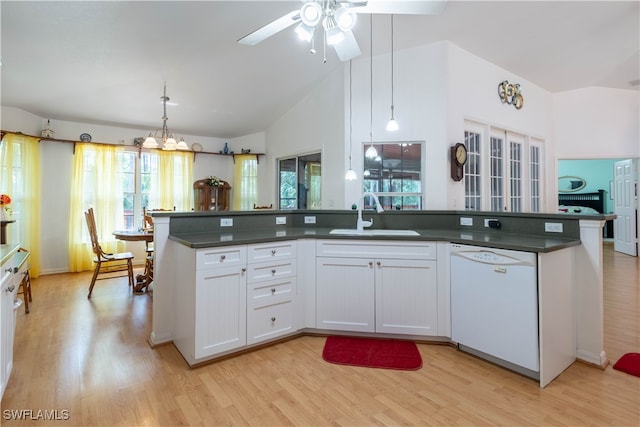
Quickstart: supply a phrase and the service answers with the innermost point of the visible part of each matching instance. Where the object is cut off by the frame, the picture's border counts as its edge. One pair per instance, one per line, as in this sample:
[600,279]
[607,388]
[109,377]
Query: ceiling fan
[336,18]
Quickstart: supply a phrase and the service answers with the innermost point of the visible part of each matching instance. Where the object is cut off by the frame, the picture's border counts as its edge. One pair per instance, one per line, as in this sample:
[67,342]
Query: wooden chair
[25,287]
[106,262]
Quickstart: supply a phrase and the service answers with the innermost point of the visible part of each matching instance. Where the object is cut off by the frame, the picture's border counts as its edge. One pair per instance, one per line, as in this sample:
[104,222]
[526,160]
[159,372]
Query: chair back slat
[93,233]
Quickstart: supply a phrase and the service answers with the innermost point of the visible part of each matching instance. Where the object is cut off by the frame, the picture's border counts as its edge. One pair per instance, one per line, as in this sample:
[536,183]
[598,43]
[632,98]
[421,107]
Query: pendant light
[351,174]
[392,125]
[371,152]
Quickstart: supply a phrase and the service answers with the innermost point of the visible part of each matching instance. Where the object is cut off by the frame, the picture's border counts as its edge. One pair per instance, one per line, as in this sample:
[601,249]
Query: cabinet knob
[222,257]
[10,289]
[370,263]
[273,271]
[273,319]
[273,290]
[273,251]
[243,269]
[379,263]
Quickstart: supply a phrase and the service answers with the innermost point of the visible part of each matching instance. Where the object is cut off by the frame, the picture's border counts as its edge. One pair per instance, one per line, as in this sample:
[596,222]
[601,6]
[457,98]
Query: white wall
[597,122]
[57,161]
[473,95]
[314,124]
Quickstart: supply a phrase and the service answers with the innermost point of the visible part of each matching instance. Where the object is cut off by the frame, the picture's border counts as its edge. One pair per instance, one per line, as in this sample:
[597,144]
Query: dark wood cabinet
[208,197]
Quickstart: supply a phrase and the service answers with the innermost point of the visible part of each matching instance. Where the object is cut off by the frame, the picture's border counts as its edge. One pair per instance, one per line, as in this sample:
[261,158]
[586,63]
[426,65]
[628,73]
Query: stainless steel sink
[381,232]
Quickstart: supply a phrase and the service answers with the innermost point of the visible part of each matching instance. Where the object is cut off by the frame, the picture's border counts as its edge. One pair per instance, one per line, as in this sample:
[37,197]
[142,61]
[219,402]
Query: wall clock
[458,155]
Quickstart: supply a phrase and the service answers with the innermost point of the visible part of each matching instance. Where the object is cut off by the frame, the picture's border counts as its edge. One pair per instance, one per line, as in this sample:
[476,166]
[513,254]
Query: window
[513,180]
[300,182]
[536,176]
[515,176]
[496,157]
[472,182]
[394,175]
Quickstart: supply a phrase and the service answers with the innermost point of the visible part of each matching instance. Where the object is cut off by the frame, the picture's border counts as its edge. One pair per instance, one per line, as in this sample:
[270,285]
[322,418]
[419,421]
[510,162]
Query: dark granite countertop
[491,239]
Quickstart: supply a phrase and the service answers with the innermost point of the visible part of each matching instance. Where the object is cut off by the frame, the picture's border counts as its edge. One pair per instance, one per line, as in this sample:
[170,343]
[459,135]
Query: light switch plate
[281,220]
[226,222]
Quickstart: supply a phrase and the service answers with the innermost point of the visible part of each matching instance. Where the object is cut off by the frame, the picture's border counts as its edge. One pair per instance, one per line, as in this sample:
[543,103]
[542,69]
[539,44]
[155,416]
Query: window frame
[504,178]
[392,196]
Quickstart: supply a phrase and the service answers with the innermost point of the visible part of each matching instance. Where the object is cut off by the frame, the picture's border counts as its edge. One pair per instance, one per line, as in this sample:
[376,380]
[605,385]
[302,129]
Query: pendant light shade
[392,125]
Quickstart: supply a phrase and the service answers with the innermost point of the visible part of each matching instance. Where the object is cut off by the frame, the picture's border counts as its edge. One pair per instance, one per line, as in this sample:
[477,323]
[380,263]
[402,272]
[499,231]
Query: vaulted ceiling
[105,62]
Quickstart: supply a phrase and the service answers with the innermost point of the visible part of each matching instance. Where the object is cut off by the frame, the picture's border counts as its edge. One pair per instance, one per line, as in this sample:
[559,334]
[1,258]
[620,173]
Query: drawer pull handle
[273,251]
[273,290]
[273,271]
[273,319]
[222,257]
[10,288]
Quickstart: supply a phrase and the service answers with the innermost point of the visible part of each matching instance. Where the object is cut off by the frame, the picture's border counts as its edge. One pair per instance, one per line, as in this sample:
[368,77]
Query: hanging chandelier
[166,137]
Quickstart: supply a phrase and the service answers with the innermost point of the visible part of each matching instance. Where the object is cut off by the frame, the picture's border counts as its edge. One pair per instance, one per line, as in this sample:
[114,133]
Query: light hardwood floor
[91,358]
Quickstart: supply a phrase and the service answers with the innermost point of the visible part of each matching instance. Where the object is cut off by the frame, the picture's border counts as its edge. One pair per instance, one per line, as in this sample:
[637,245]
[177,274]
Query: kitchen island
[192,248]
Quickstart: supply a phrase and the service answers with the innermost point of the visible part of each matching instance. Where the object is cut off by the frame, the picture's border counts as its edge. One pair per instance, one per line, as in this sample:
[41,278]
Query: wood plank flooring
[87,363]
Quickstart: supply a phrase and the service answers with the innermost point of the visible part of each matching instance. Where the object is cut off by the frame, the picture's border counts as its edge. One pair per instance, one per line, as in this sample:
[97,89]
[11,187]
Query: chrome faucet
[360,225]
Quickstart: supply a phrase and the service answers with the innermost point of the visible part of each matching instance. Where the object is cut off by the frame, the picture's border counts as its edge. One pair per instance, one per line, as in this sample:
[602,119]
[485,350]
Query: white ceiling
[106,62]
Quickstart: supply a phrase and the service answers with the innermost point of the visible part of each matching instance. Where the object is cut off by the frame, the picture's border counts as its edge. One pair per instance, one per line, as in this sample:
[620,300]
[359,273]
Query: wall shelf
[74,142]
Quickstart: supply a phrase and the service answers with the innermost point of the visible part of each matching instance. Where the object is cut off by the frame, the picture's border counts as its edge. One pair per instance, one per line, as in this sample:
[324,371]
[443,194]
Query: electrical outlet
[553,227]
[486,221]
[281,220]
[226,222]
[309,219]
[466,221]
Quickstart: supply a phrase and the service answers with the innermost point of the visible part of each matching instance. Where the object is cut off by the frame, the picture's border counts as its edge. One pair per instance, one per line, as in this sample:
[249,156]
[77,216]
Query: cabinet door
[345,294]
[406,296]
[221,310]
[7,326]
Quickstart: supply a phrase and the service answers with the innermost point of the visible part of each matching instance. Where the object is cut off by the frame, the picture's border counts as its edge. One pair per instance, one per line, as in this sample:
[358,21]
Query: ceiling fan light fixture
[311,13]
[334,36]
[346,19]
[305,32]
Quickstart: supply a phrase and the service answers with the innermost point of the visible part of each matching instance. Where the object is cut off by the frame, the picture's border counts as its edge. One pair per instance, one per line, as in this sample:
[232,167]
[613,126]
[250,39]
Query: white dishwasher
[494,306]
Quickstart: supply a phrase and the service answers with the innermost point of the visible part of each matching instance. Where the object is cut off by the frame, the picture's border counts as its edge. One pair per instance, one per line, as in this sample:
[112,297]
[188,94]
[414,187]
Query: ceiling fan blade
[348,48]
[403,7]
[270,29]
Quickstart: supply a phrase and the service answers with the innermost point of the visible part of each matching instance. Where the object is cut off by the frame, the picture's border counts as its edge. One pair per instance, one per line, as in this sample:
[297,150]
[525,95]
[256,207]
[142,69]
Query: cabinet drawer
[218,257]
[268,251]
[269,321]
[268,292]
[376,249]
[271,270]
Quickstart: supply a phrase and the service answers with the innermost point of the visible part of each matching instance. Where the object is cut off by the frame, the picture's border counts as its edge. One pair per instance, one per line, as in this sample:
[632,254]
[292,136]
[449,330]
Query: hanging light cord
[350,114]
[392,65]
[371,78]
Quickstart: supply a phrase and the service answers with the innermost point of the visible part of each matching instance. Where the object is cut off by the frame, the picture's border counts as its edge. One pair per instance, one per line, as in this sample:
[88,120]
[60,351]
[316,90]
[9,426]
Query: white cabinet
[377,286]
[11,273]
[210,301]
[406,296]
[345,294]
[271,290]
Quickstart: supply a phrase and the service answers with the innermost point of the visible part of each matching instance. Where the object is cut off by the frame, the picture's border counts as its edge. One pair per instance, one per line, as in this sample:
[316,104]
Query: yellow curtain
[20,179]
[245,182]
[314,183]
[95,183]
[175,176]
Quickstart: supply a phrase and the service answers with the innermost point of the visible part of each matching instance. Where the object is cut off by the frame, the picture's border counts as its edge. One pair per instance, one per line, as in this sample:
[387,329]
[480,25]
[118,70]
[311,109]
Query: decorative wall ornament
[510,94]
